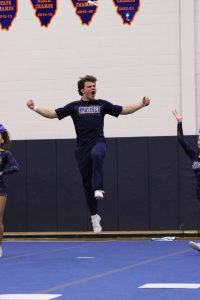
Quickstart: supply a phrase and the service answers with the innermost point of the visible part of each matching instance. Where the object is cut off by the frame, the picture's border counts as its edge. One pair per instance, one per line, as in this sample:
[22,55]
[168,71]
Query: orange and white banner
[8,12]
[127,9]
[45,10]
[85,9]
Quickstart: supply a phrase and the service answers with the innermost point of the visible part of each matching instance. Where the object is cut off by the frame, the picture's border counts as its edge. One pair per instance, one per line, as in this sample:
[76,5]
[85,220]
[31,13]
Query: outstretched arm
[179,119]
[45,112]
[187,148]
[129,109]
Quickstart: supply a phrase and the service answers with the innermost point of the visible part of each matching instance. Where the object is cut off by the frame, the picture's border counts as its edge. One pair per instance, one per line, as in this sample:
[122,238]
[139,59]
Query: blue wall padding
[149,185]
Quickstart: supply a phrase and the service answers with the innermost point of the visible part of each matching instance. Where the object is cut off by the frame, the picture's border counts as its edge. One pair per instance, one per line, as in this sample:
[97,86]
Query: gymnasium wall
[197,55]
[156,55]
[148,179]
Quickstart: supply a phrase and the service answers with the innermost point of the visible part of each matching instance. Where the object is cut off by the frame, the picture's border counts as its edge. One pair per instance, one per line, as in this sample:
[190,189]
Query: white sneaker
[96,219]
[98,194]
[1,252]
[195,246]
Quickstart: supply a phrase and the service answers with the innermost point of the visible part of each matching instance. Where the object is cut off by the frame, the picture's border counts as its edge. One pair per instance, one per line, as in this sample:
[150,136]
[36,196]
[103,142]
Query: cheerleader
[8,165]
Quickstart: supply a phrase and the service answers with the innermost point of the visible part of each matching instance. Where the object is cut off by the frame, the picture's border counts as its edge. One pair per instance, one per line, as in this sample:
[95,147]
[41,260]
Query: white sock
[94,216]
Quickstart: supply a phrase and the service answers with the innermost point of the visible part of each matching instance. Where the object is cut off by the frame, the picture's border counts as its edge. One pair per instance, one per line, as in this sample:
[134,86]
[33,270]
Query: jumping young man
[88,116]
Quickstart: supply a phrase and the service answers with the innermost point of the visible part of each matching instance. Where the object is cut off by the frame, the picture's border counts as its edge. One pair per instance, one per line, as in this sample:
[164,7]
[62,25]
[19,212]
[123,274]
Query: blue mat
[84,270]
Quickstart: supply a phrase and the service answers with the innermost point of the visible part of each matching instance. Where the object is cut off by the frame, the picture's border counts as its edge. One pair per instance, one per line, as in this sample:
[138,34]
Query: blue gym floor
[94,270]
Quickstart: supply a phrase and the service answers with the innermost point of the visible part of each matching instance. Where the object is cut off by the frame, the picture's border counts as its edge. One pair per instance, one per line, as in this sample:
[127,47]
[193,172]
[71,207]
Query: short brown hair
[82,81]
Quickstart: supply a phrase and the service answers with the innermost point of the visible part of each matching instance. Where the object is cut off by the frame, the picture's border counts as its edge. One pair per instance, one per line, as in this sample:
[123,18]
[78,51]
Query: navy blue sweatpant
[198,187]
[90,160]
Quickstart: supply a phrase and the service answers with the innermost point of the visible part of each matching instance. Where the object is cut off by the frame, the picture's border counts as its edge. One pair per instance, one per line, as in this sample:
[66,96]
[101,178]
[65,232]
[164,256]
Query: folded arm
[12,165]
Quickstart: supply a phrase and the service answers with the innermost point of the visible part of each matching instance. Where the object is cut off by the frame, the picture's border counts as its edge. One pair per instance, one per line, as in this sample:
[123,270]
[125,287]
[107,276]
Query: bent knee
[97,155]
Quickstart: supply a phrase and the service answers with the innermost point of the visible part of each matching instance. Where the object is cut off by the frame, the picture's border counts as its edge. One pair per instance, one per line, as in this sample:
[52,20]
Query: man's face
[89,90]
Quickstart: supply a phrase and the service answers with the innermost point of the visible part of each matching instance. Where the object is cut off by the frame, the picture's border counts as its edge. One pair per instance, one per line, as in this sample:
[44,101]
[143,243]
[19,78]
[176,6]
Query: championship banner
[127,9]
[85,9]
[45,10]
[8,12]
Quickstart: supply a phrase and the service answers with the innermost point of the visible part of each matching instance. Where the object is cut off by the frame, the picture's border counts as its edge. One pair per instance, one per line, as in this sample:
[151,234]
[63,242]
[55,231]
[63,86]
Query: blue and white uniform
[193,155]
[8,165]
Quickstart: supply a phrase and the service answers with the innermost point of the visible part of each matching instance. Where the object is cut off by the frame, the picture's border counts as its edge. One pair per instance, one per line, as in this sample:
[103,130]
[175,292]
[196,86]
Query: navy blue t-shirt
[88,118]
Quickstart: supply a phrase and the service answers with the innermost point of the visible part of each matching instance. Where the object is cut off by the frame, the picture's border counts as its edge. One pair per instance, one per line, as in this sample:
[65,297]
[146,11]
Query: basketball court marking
[170,286]
[85,257]
[43,252]
[108,273]
[29,296]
